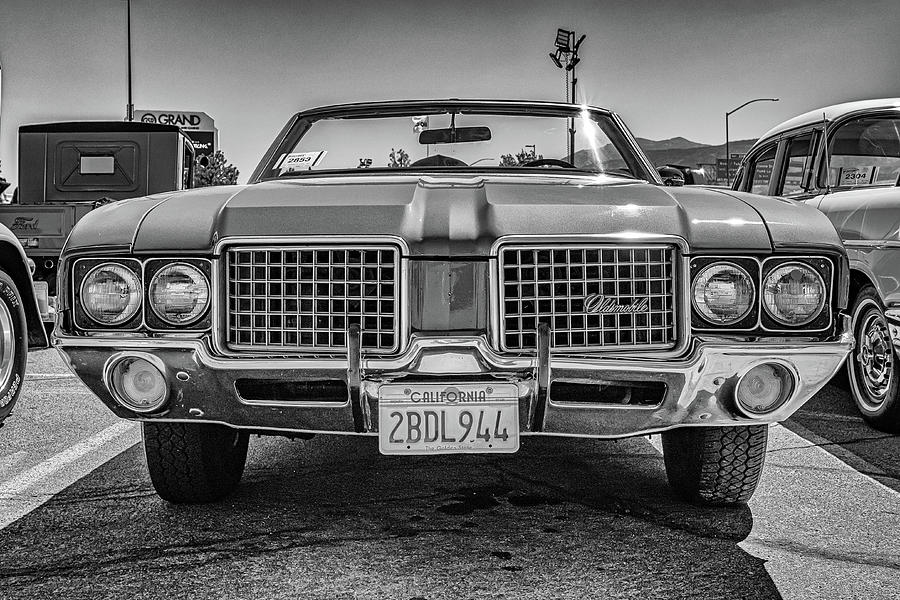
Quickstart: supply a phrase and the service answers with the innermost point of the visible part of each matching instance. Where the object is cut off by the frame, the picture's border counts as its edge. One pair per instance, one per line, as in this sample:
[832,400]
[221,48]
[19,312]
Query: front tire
[715,465]
[874,381]
[13,345]
[193,463]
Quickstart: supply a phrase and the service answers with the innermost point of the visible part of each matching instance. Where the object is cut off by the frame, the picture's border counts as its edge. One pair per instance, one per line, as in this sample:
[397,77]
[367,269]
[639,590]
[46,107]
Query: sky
[669,68]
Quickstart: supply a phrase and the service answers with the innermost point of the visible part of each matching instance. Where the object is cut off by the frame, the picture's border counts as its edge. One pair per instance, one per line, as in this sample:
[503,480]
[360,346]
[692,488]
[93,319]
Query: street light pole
[727,148]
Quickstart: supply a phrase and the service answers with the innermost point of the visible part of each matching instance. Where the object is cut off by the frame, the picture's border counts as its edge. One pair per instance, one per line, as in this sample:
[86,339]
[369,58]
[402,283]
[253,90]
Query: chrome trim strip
[325,240]
[871,244]
[625,237]
[419,344]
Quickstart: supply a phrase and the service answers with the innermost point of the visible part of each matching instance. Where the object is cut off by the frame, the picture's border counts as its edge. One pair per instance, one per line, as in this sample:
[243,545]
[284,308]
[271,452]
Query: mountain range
[682,151]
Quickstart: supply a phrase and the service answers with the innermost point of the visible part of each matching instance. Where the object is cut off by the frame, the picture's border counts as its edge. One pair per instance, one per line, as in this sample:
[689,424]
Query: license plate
[446,419]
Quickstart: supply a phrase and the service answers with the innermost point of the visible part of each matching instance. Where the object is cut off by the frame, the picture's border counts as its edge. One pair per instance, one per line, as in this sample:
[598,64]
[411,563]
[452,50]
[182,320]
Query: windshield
[456,140]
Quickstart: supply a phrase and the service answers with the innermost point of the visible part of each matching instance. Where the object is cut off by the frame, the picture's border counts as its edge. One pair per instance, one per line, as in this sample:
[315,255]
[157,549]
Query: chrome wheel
[875,359]
[7,346]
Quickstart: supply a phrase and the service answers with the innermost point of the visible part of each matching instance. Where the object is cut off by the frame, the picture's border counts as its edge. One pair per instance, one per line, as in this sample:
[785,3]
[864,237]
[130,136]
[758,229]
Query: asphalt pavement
[332,518]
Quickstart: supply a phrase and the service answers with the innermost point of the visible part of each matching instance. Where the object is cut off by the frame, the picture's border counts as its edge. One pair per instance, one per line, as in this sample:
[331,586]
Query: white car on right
[845,160]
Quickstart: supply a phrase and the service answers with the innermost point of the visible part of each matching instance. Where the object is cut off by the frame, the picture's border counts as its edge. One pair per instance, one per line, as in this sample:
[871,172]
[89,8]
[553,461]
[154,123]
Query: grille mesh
[305,298]
[591,296]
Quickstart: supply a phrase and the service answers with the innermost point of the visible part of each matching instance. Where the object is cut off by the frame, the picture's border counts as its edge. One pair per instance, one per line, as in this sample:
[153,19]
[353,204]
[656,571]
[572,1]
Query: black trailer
[68,169]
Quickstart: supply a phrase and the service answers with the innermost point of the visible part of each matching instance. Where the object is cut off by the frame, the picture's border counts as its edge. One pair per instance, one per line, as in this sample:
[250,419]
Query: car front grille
[304,298]
[593,297]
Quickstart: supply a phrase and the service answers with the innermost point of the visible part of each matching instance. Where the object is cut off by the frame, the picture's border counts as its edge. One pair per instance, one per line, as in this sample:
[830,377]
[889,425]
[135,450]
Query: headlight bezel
[82,269]
[154,321]
[824,268]
[726,263]
[145,320]
[758,320]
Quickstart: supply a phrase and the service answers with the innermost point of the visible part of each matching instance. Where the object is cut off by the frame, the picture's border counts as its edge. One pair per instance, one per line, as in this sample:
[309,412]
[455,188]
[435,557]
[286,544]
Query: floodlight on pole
[727,147]
[564,39]
[566,57]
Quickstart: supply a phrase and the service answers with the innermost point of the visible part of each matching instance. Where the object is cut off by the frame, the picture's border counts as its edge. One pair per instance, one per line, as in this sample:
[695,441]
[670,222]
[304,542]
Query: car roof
[831,113]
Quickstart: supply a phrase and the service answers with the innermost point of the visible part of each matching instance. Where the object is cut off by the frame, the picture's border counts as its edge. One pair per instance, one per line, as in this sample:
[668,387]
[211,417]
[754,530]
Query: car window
[761,170]
[798,163]
[865,152]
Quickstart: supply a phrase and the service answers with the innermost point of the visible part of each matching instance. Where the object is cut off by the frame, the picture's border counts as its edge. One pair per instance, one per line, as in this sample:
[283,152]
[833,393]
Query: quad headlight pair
[793,293]
[111,294]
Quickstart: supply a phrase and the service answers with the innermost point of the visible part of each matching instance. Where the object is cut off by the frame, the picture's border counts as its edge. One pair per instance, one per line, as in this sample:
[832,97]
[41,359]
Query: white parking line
[35,486]
[824,529]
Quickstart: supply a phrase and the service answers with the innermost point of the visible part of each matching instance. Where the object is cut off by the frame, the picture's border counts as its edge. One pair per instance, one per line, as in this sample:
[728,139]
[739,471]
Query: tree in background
[215,171]
[398,159]
[521,157]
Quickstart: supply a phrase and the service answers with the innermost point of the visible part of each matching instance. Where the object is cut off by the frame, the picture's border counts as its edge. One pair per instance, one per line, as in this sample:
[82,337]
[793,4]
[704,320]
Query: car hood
[452,216]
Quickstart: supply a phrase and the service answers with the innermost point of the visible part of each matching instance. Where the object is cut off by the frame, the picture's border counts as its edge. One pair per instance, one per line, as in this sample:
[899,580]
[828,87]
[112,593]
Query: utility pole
[129,108]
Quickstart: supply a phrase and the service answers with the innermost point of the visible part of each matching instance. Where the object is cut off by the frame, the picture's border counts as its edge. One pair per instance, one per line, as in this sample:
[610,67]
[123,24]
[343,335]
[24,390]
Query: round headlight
[111,294]
[723,293]
[179,294]
[794,294]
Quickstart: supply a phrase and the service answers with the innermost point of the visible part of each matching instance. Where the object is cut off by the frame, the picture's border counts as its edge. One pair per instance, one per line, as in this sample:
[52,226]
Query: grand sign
[198,126]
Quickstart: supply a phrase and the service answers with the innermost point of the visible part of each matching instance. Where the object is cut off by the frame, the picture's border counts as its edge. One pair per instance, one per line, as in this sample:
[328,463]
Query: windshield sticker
[300,161]
[854,176]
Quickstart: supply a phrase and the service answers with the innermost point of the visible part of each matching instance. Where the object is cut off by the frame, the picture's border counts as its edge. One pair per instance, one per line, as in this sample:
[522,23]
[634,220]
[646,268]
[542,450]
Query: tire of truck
[194,463]
[872,366]
[13,345]
[715,466]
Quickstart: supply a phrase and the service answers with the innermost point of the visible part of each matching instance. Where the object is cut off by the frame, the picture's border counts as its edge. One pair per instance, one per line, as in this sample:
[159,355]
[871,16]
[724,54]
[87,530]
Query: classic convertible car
[21,328]
[453,276]
[860,144]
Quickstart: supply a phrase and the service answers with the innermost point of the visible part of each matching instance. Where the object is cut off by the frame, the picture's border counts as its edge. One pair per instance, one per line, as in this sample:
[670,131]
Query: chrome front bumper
[699,387]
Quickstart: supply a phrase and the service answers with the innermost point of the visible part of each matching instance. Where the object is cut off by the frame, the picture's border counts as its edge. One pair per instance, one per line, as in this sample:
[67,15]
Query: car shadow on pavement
[831,421]
[331,518]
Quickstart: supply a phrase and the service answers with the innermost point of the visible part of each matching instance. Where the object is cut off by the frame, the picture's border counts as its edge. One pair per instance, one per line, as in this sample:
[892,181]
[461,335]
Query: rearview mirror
[455,135]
